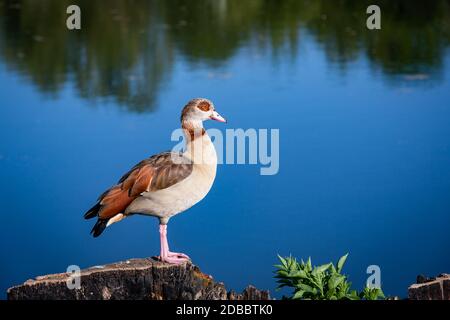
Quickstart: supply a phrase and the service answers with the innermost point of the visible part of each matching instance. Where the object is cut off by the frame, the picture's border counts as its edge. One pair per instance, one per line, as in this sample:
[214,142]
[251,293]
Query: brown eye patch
[204,106]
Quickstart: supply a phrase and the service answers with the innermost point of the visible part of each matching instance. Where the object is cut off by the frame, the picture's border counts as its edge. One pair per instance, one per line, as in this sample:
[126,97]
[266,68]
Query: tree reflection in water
[126,50]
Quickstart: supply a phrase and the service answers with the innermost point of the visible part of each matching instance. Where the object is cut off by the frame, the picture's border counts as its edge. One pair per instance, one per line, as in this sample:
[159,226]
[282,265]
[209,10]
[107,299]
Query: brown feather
[142,181]
[115,201]
[129,181]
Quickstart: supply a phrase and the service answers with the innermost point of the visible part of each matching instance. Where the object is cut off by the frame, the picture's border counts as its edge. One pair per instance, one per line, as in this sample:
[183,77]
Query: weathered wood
[141,279]
[430,289]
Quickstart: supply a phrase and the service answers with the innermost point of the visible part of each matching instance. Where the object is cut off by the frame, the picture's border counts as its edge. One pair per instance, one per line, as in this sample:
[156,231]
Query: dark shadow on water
[126,49]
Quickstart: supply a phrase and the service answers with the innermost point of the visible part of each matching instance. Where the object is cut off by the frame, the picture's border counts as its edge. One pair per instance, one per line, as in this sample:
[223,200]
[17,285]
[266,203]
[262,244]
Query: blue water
[364,169]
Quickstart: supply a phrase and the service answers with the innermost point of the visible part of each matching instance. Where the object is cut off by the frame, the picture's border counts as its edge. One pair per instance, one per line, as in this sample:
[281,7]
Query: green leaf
[353,295]
[341,262]
[305,287]
[283,261]
[300,274]
[309,264]
[335,281]
[333,269]
[298,295]
[282,273]
[278,266]
[323,268]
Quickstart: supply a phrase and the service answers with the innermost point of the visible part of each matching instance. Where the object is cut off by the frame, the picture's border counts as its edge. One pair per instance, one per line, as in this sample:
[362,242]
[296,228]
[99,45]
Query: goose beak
[217,117]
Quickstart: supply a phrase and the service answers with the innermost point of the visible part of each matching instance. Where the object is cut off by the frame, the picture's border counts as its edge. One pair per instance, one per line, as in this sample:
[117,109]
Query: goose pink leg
[166,255]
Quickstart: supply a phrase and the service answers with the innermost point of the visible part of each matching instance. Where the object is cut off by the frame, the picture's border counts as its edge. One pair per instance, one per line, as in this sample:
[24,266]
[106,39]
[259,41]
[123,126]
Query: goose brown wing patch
[115,201]
[158,172]
[139,182]
[155,173]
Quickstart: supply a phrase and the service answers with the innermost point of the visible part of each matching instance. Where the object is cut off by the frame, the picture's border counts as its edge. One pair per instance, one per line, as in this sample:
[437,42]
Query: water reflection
[126,50]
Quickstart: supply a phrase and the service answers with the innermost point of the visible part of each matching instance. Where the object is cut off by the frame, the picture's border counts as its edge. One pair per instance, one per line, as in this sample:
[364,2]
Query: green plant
[325,282]
[372,294]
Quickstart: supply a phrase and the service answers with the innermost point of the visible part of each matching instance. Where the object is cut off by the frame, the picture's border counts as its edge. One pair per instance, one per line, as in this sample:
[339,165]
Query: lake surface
[364,120]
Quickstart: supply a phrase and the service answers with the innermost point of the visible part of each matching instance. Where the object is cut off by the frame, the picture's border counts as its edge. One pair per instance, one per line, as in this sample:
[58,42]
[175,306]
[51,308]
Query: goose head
[198,110]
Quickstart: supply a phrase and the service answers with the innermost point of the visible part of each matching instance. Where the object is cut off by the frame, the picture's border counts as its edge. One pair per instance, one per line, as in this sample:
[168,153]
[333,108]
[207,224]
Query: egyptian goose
[167,183]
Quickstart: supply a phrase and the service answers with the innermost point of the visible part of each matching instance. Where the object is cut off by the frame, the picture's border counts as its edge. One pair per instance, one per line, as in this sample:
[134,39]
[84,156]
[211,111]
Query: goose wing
[155,173]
